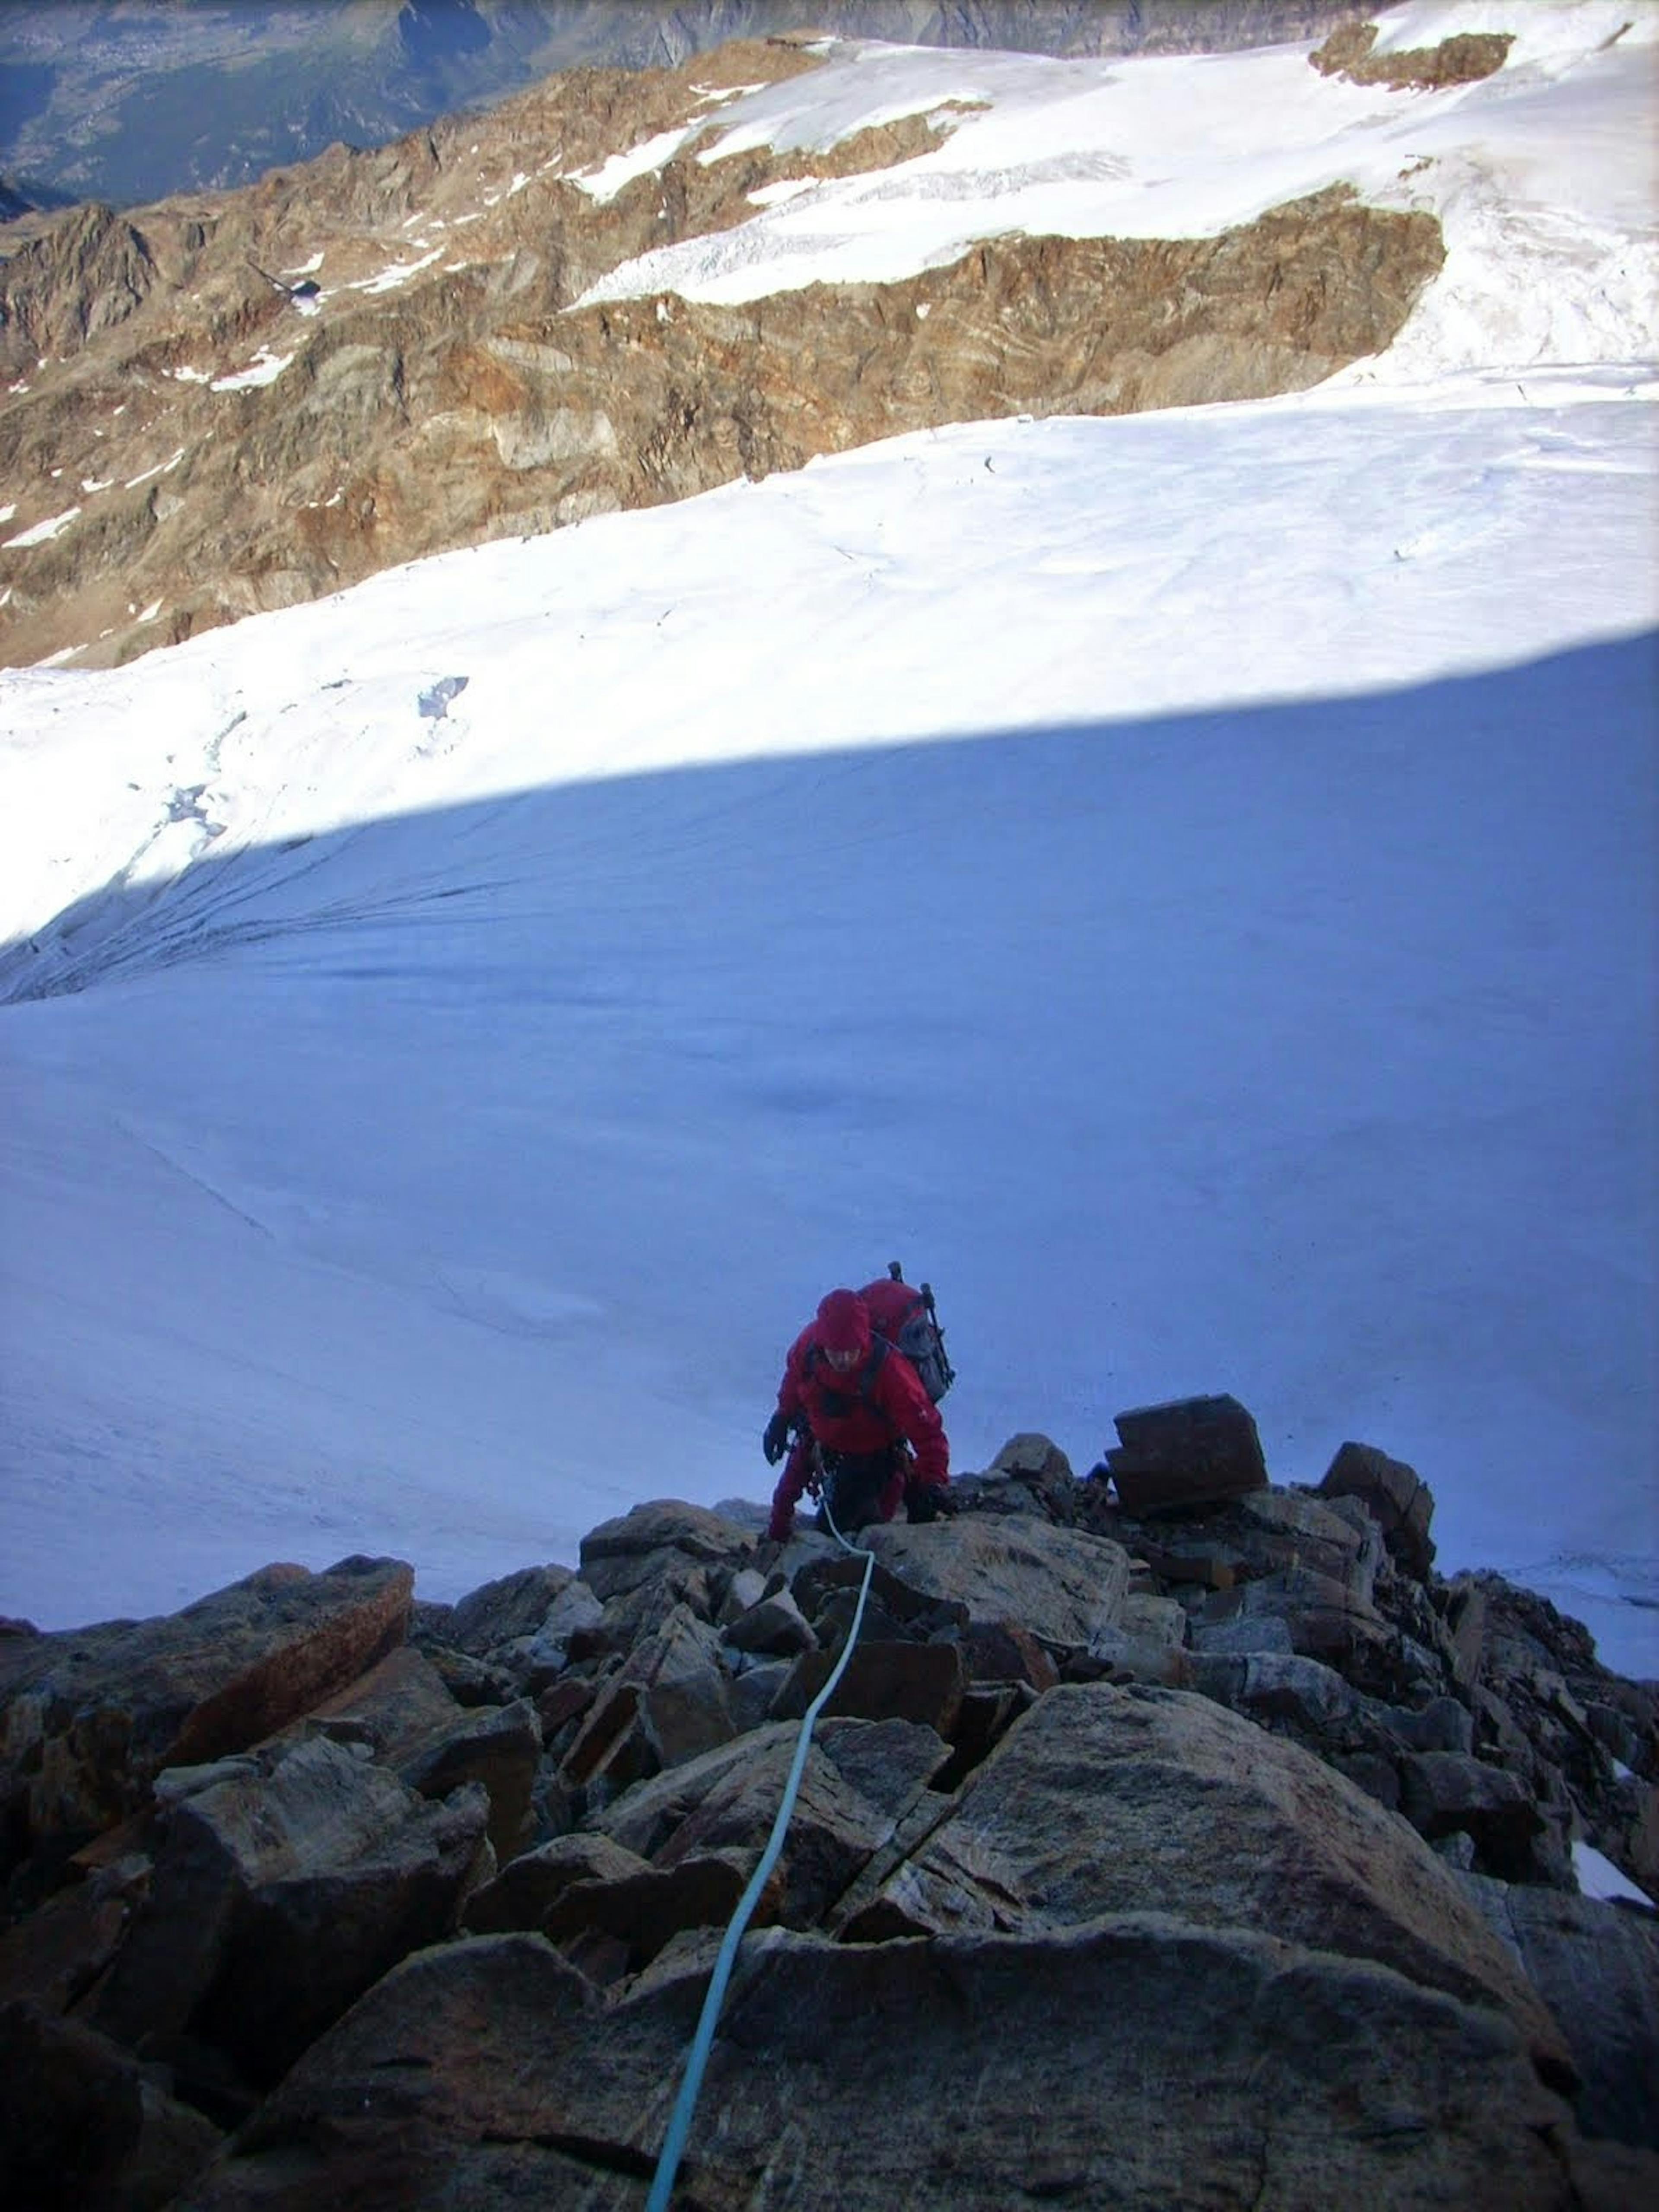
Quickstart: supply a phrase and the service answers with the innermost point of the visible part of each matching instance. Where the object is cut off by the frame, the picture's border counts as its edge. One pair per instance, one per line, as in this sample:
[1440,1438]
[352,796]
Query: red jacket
[880,1402]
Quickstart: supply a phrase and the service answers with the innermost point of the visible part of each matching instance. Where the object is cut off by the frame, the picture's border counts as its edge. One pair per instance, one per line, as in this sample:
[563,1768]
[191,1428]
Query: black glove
[775,1442]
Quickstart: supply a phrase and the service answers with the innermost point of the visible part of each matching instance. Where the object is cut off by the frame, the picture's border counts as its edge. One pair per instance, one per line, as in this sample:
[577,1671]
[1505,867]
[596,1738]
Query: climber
[856,1422]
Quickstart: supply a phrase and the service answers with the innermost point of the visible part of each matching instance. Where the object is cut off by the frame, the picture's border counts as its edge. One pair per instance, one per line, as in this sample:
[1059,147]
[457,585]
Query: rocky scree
[313,1891]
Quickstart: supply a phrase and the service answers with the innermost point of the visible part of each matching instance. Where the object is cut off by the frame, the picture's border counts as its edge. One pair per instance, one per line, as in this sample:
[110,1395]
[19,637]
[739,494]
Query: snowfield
[1186,884]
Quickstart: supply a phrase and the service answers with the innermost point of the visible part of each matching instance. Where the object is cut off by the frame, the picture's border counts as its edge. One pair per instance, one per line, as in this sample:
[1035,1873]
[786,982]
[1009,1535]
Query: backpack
[906,1317]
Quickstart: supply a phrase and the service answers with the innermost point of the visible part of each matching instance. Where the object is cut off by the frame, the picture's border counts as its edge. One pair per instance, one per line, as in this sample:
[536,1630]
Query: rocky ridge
[1214,1848]
[225,403]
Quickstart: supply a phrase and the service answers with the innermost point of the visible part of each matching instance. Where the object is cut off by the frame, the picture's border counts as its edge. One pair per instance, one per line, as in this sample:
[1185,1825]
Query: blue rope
[679,2125]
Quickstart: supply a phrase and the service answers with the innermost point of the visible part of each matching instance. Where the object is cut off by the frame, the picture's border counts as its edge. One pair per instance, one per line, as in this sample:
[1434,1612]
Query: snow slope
[1186,883]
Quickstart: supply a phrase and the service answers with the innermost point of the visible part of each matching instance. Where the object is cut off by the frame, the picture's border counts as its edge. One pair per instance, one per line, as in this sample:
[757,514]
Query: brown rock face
[1088,1942]
[283,1887]
[1402,1502]
[82,2125]
[967,2075]
[444,389]
[87,1719]
[1193,1451]
[1062,1589]
[1464,59]
[1078,1812]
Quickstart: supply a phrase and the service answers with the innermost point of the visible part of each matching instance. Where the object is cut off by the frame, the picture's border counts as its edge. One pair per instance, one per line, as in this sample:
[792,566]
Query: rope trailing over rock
[679,2125]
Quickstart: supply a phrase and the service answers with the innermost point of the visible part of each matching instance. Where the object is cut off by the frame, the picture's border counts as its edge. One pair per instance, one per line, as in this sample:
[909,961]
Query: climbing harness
[679,2123]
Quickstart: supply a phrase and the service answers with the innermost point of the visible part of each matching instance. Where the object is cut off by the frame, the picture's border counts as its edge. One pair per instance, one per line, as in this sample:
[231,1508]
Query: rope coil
[679,2123]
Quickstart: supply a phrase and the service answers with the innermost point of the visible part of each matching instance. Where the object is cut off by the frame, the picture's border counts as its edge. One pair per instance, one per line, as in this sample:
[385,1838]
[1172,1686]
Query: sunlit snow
[43,532]
[264,368]
[160,468]
[620,170]
[389,279]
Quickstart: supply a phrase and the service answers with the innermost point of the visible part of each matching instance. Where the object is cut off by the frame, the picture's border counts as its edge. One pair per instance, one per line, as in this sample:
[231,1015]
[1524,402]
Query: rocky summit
[230,402]
[1208,1848]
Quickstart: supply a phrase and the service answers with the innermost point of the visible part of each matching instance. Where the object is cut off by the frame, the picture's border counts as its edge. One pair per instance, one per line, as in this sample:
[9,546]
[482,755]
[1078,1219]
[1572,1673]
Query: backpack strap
[843,1387]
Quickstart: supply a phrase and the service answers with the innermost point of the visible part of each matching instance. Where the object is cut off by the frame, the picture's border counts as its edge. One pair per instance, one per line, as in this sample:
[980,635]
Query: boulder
[654,1540]
[428,1620]
[1401,1502]
[1062,1586]
[1242,1634]
[470,1681]
[892,1764]
[997,1651]
[773,1625]
[89,1717]
[1034,1458]
[1596,1967]
[746,1588]
[1292,1530]
[1087,1806]
[666,1703]
[526,1889]
[1031,1469]
[1444,1793]
[1191,1451]
[1321,1617]
[826,1588]
[1148,1641]
[641,1912]
[513,1606]
[860,1780]
[402,1711]
[613,1746]
[750,1694]
[489,2073]
[83,2127]
[1204,1560]
[920,1682]
[56,1955]
[392,1708]
[497,1746]
[1466,1626]
[281,1891]
[574,1623]
[1314,1697]
[560,1707]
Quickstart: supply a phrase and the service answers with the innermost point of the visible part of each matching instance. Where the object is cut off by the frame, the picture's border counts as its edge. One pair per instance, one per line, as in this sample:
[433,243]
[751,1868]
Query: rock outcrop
[225,403]
[1463,60]
[89,1720]
[1206,1853]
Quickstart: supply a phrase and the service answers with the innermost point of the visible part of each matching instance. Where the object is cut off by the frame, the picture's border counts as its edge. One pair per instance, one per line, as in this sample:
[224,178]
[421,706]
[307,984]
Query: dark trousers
[854,1484]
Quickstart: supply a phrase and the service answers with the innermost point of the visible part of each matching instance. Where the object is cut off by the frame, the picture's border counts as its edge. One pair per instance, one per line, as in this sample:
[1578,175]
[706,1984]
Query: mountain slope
[1183,882]
[433,1168]
[111,101]
[621,289]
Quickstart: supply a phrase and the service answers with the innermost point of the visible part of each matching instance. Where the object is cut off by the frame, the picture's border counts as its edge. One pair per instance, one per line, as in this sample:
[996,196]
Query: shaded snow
[1599,1877]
